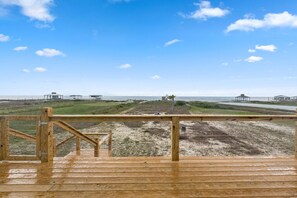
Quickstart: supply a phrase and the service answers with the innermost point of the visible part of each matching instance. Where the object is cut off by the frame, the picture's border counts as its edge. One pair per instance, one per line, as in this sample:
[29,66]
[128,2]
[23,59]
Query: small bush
[180,103]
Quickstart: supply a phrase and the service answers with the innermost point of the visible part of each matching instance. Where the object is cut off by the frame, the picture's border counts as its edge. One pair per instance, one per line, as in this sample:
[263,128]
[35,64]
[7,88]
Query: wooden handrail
[64,141]
[132,118]
[22,135]
[21,117]
[75,132]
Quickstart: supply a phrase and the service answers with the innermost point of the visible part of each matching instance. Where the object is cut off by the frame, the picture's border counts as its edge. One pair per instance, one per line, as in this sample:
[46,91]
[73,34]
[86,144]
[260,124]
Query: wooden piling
[175,139]
[46,135]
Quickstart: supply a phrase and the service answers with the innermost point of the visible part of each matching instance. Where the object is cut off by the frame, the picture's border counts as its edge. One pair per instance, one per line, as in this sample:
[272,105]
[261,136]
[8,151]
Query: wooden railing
[6,131]
[46,145]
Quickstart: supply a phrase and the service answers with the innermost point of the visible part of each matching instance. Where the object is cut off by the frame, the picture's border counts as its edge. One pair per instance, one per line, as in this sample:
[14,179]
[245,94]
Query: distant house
[242,98]
[95,97]
[281,98]
[53,96]
[294,98]
[76,97]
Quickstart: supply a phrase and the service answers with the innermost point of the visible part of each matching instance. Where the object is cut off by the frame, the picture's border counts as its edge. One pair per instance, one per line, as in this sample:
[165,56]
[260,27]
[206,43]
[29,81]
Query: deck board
[86,176]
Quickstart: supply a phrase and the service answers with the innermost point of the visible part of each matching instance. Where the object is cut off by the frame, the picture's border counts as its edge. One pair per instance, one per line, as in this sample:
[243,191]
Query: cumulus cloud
[270,48]
[40,69]
[49,52]
[156,77]
[20,48]
[34,9]
[125,66]
[206,11]
[172,42]
[4,38]
[251,50]
[270,20]
[253,59]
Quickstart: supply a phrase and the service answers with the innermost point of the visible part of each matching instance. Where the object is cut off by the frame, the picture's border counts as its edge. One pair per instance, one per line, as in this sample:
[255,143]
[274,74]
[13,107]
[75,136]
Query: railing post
[54,147]
[97,147]
[110,144]
[4,124]
[77,144]
[296,136]
[175,139]
[46,136]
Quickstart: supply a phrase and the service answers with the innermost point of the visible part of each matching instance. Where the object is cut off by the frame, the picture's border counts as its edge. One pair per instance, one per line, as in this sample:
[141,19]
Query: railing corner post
[4,127]
[46,135]
[175,138]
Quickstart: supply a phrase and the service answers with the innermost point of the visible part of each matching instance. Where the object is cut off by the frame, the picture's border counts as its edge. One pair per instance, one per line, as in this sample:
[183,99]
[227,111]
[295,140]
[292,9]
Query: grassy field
[286,103]
[65,107]
[215,108]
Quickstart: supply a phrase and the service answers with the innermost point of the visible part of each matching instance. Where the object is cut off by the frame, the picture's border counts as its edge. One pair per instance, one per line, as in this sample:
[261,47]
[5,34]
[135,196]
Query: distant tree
[172,97]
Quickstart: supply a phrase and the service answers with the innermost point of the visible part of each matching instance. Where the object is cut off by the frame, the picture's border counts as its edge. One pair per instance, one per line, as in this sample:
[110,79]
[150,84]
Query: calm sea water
[123,98]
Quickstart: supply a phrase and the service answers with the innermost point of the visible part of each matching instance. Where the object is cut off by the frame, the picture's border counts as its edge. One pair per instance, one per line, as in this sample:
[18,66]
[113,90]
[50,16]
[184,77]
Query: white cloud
[155,77]
[251,50]
[206,11]
[291,44]
[4,38]
[49,52]
[237,60]
[20,48]
[34,9]
[284,19]
[172,42]
[225,64]
[270,48]
[40,69]
[125,66]
[253,59]
[26,70]
[43,26]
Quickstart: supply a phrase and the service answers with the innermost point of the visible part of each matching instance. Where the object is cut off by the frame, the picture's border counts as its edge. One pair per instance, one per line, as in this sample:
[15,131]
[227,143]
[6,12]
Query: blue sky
[148,47]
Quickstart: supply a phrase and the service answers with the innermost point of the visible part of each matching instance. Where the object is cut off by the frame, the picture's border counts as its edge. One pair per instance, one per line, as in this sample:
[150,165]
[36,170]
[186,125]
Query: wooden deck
[86,176]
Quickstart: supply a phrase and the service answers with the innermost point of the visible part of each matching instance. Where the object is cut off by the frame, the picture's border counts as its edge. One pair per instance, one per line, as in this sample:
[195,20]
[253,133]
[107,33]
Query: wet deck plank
[85,176]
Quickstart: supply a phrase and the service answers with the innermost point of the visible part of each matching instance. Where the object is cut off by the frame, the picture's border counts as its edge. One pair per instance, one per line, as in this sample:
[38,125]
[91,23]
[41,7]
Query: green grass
[68,107]
[286,103]
[201,110]
[215,108]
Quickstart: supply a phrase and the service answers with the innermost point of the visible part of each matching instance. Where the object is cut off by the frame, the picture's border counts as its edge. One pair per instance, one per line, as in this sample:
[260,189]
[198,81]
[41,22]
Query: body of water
[150,98]
[266,106]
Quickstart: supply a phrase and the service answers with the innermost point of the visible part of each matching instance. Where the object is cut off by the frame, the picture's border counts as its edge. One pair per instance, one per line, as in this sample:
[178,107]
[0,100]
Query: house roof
[281,96]
[242,96]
